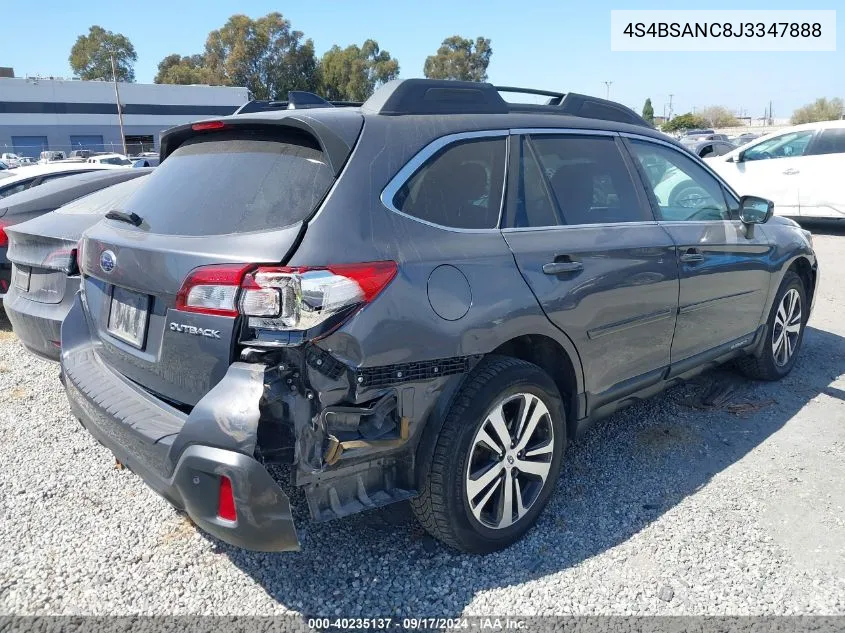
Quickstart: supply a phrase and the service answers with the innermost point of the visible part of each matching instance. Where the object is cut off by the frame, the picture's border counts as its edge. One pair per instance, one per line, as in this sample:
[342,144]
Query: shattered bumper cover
[158,443]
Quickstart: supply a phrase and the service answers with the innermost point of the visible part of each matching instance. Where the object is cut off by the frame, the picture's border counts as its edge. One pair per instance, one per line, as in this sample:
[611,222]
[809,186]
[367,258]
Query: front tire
[497,458]
[784,332]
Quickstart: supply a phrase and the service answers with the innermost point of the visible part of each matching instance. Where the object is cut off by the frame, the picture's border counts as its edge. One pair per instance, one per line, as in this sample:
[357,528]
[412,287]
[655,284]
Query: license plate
[22,278]
[128,316]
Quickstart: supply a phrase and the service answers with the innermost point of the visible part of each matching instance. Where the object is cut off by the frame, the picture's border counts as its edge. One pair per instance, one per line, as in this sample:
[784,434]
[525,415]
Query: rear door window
[830,141]
[459,187]
[234,182]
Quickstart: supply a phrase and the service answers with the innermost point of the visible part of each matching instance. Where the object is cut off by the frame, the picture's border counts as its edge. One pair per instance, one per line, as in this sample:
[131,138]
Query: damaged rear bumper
[183,456]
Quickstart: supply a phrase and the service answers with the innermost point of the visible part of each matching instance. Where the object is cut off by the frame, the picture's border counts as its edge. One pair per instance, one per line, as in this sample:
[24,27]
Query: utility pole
[670,106]
[607,85]
[119,107]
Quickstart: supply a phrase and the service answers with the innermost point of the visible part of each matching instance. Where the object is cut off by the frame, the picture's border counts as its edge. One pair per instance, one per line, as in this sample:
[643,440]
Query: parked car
[84,154]
[742,139]
[703,149]
[146,161]
[4,166]
[12,160]
[51,156]
[42,250]
[34,202]
[118,160]
[799,169]
[24,161]
[15,181]
[699,132]
[423,298]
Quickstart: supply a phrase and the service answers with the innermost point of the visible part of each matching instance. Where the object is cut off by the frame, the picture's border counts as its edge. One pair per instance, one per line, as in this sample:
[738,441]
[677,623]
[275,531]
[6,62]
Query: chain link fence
[88,149]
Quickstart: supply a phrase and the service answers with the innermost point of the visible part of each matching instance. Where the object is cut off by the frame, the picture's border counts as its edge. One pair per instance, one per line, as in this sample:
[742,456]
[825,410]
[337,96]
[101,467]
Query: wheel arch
[808,274]
[560,361]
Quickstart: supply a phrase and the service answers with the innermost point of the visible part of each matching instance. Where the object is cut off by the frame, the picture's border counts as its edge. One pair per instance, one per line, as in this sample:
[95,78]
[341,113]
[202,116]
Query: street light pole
[119,107]
[607,85]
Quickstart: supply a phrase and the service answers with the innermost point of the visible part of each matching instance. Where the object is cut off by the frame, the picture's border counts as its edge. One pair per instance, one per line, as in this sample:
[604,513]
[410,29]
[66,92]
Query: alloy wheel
[510,459]
[787,327]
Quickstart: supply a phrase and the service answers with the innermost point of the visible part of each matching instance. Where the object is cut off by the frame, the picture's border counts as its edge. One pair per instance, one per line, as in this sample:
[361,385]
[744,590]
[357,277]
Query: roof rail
[436,96]
[556,97]
[297,100]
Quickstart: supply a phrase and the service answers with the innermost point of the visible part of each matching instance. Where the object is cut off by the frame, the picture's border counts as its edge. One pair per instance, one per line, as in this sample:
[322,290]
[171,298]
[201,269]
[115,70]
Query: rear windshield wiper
[132,218]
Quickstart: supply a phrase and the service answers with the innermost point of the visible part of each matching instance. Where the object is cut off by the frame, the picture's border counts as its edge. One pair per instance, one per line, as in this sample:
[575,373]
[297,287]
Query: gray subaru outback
[426,297]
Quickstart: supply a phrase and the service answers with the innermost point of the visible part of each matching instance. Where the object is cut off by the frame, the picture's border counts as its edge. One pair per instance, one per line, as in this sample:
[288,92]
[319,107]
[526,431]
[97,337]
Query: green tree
[460,58]
[265,55]
[648,111]
[352,73]
[90,57]
[688,121]
[820,110]
[718,116]
[191,69]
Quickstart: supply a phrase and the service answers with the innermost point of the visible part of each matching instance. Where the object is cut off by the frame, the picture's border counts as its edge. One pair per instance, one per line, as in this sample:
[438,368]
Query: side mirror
[754,210]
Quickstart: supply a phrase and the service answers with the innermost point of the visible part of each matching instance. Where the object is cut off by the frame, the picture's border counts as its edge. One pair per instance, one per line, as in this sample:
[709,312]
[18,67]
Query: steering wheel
[688,195]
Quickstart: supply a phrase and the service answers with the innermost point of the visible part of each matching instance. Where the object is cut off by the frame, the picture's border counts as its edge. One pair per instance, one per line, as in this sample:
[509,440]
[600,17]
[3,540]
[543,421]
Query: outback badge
[196,331]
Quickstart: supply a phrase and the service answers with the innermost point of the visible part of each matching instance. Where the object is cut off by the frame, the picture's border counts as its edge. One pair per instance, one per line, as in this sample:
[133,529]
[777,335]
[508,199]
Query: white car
[116,160]
[17,180]
[800,169]
[12,160]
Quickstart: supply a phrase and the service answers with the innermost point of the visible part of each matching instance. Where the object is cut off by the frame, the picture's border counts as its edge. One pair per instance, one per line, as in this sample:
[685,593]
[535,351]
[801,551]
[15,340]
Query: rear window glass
[105,200]
[459,187]
[233,184]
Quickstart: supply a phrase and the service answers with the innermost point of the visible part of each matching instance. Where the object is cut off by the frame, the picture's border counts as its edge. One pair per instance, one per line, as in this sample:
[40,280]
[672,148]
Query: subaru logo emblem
[107,261]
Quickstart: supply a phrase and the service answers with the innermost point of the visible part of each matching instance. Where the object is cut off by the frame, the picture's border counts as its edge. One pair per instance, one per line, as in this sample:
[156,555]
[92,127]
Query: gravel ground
[722,496]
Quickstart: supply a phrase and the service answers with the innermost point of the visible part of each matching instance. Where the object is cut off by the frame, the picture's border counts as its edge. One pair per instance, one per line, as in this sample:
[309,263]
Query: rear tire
[783,335]
[497,458]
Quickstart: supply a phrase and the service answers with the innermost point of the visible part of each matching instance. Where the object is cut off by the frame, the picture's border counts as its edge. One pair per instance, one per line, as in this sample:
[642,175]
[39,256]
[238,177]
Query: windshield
[233,184]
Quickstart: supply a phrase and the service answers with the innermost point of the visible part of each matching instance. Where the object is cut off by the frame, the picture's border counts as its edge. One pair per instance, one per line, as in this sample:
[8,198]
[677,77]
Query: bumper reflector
[226,501]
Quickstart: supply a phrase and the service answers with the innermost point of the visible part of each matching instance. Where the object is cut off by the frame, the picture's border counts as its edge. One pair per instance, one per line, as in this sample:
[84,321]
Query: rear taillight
[226,501]
[280,298]
[212,289]
[4,239]
[283,298]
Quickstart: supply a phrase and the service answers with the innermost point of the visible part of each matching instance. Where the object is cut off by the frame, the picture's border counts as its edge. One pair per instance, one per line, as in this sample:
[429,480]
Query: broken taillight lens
[282,298]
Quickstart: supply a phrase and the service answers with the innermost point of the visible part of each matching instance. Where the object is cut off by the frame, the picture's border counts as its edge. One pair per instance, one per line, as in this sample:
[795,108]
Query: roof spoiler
[335,143]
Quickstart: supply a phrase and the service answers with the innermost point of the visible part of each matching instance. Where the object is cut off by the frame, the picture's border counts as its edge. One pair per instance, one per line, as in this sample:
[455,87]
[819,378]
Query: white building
[61,114]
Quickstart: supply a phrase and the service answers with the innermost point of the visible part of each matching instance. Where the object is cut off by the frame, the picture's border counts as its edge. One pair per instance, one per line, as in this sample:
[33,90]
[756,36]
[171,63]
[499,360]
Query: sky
[557,45]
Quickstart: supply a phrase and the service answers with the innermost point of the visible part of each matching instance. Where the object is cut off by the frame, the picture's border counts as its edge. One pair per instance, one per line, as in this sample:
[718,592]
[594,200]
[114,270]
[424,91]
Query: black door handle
[556,268]
[692,255]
